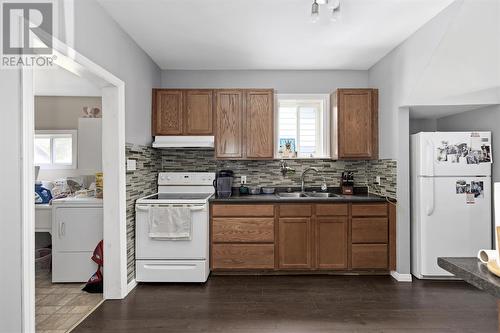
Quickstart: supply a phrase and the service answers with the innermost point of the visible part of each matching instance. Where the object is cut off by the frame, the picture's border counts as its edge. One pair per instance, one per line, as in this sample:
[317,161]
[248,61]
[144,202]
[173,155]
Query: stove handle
[142,208]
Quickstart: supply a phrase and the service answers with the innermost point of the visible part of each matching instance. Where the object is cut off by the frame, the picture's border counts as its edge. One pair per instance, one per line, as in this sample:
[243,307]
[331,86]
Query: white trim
[114,231]
[27,202]
[401,277]
[115,240]
[113,167]
[131,286]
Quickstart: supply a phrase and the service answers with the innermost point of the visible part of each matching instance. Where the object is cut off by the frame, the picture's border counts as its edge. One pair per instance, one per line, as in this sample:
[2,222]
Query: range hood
[195,141]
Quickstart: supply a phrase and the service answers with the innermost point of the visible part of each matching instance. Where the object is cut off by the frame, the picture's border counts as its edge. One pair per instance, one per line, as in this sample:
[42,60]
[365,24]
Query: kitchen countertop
[472,271]
[274,198]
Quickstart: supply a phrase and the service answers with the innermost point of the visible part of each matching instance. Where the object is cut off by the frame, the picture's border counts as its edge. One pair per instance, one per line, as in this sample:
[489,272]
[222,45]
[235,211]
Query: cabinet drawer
[243,210]
[369,256]
[370,230]
[243,229]
[369,209]
[293,210]
[243,256]
[332,210]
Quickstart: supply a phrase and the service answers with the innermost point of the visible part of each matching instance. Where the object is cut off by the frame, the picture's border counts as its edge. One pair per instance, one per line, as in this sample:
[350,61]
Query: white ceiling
[269,34]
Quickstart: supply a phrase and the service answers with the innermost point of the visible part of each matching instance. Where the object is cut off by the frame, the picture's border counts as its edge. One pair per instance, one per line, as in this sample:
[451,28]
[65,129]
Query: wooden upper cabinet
[167,112]
[244,124]
[198,112]
[357,123]
[229,124]
[259,124]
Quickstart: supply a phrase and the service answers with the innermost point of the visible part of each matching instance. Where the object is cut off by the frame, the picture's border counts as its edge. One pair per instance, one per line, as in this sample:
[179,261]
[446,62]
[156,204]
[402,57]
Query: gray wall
[423,125]
[484,119]
[100,38]
[305,82]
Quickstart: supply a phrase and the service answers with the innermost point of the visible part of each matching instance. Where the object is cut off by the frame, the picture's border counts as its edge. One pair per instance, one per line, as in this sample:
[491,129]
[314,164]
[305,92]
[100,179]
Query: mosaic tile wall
[267,173]
[387,170]
[140,183]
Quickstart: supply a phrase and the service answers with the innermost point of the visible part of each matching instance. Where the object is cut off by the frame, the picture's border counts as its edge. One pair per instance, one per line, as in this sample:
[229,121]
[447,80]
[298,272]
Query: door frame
[113,154]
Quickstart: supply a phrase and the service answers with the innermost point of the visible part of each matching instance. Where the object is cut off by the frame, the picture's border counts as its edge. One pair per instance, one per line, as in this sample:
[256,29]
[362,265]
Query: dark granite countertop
[472,271]
[359,196]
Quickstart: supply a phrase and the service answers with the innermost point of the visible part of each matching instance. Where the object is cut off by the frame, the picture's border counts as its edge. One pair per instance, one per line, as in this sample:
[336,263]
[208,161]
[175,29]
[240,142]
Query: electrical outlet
[131,165]
[377,180]
[243,179]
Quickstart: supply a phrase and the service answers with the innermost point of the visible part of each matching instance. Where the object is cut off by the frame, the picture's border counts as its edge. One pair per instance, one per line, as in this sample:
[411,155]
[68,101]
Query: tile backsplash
[265,173]
[140,183]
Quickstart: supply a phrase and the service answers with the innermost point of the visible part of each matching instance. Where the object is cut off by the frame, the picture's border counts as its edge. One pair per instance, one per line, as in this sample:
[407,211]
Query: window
[302,126]
[55,149]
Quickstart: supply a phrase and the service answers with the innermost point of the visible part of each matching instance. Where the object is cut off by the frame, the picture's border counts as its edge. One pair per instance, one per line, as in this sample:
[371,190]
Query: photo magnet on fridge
[461,187]
[477,189]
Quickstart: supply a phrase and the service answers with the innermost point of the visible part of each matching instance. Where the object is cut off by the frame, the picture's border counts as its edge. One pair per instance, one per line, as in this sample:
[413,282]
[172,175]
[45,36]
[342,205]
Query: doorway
[112,90]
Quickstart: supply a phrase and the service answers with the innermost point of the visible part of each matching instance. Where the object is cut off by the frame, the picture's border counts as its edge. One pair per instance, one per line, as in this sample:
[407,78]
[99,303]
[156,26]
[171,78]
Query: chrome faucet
[302,187]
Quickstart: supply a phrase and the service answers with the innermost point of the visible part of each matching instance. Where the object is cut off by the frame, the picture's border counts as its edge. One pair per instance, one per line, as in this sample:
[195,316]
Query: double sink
[307,195]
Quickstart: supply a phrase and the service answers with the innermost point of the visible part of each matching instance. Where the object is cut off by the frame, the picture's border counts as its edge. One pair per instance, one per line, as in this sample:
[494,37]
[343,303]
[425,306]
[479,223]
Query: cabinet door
[198,112]
[167,112]
[259,124]
[331,242]
[229,122]
[357,123]
[295,243]
[77,229]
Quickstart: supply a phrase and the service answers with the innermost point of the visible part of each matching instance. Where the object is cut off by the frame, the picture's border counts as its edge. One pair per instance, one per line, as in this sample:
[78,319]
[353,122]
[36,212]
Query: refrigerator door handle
[430,201]
[429,152]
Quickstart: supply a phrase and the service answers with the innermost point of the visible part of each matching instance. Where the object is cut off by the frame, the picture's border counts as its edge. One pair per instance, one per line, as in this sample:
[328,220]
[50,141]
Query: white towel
[170,223]
[486,256]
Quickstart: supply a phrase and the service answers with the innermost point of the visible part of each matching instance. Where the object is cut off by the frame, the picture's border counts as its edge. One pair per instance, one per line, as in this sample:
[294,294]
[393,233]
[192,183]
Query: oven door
[154,248]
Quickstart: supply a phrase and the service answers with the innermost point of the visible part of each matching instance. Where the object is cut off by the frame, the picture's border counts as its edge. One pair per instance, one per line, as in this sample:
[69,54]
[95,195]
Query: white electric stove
[162,260]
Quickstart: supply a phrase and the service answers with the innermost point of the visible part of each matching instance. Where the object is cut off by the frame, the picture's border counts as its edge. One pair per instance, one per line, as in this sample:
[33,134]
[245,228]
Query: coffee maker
[347,183]
[223,183]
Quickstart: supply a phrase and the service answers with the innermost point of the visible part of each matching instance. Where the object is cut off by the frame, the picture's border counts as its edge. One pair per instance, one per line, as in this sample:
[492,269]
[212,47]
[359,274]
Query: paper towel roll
[487,255]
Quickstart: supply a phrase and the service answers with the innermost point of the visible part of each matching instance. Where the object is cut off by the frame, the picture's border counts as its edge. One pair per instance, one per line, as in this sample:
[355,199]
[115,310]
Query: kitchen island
[472,271]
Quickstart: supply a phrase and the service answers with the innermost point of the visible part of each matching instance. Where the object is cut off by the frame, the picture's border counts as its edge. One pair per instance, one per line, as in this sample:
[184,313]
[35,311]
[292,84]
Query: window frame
[52,134]
[325,128]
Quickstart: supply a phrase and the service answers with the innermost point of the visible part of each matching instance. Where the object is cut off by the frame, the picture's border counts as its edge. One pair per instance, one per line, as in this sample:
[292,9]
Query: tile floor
[59,307]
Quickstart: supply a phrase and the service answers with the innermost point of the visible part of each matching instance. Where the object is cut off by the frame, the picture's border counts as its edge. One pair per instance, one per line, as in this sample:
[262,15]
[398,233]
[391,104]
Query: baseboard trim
[401,277]
[131,285]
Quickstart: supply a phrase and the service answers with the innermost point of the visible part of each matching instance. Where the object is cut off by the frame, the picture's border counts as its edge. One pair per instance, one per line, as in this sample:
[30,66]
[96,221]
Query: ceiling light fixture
[332,5]
[315,12]
[335,13]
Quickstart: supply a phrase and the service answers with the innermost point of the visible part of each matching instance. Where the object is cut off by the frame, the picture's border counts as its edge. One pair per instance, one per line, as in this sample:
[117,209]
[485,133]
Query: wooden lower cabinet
[369,256]
[295,243]
[243,256]
[304,237]
[331,242]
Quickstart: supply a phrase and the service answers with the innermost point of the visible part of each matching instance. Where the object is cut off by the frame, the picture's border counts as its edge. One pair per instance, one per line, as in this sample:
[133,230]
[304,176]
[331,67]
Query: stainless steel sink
[291,195]
[320,195]
[307,195]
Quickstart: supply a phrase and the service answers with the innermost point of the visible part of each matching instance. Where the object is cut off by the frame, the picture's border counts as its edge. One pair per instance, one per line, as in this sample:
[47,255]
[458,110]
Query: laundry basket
[43,259]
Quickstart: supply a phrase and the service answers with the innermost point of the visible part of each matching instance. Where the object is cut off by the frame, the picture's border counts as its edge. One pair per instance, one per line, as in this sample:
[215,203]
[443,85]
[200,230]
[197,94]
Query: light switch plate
[131,165]
[243,179]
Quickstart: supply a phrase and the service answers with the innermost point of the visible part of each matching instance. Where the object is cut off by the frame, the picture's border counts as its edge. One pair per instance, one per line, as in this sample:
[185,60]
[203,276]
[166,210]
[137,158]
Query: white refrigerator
[451,198]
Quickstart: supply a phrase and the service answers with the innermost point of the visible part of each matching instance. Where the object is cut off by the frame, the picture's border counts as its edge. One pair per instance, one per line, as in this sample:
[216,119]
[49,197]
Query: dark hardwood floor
[266,304]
